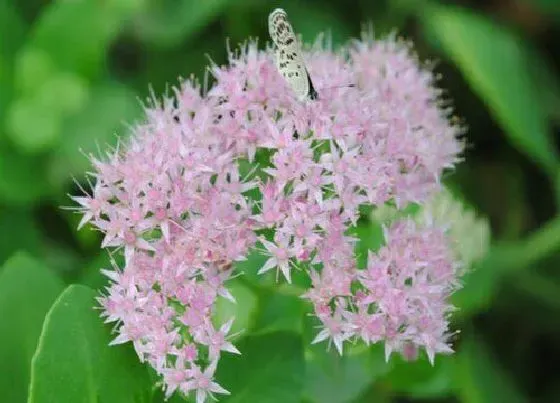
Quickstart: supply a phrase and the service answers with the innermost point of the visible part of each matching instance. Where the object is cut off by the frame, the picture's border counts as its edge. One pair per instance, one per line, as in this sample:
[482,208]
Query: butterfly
[289,60]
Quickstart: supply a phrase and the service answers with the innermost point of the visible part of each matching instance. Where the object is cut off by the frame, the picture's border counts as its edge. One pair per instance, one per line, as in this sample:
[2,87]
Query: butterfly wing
[290,64]
[289,60]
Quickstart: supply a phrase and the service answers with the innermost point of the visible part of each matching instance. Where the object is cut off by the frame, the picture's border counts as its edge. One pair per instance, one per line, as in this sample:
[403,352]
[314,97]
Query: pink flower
[173,201]
[279,256]
[216,341]
[336,330]
[202,382]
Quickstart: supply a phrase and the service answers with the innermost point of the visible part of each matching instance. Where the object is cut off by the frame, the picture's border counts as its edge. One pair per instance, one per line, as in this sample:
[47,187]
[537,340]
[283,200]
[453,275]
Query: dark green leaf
[73,361]
[27,290]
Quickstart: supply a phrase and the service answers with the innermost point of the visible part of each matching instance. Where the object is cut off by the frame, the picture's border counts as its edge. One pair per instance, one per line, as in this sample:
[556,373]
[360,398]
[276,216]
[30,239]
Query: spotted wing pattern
[289,60]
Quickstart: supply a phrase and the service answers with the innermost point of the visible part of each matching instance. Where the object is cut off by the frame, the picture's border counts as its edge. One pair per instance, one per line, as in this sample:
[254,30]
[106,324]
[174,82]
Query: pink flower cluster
[174,200]
[400,298]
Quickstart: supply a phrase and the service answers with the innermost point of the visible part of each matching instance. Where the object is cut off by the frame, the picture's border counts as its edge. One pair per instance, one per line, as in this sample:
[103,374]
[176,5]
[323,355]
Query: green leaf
[481,49]
[73,361]
[95,127]
[167,23]
[27,290]
[270,369]
[479,378]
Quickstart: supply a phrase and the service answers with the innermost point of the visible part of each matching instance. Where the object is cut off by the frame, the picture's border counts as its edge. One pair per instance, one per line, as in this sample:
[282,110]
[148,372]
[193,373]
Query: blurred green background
[74,72]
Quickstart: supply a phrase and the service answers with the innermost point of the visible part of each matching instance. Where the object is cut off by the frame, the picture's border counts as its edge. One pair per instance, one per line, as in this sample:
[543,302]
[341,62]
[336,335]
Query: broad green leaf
[74,362]
[270,369]
[494,62]
[18,232]
[27,290]
[479,377]
[166,23]
[243,310]
[96,126]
